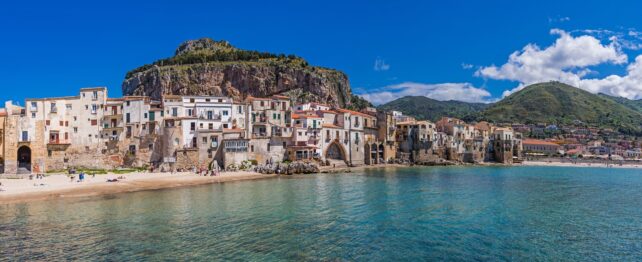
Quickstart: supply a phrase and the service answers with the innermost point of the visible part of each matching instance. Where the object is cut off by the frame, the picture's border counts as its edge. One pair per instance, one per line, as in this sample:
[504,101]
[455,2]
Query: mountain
[558,103]
[422,107]
[633,104]
[208,67]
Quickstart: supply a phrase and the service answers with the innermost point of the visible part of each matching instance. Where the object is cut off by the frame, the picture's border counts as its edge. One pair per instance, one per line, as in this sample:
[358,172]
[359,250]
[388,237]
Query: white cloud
[465,92]
[380,65]
[568,60]
[467,66]
[559,19]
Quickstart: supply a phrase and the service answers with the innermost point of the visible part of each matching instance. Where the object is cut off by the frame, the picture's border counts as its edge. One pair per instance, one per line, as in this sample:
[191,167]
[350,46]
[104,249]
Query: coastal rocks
[289,168]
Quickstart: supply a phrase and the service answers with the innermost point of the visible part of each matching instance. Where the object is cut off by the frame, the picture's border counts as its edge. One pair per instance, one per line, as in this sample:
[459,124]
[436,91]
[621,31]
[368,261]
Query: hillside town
[92,130]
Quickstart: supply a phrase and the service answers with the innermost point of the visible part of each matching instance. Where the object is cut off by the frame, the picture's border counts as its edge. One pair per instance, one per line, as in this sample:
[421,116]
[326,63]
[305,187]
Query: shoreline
[59,186]
[578,164]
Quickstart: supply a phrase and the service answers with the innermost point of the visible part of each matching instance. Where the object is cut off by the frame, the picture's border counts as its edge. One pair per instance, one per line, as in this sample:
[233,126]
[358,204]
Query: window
[191,100]
[62,123]
[189,112]
[210,115]
[211,126]
[204,140]
[25,136]
[47,122]
[75,130]
[240,109]
[34,106]
[225,113]
[68,106]
[192,126]
[145,115]
[94,122]
[94,108]
[174,111]
[53,108]
[33,115]
[268,147]
[225,126]
[127,118]
[235,145]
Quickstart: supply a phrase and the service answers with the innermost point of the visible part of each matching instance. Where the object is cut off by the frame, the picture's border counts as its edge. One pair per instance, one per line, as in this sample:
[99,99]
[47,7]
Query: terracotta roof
[299,116]
[281,97]
[352,112]
[538,142]
[232,130]
[330,126]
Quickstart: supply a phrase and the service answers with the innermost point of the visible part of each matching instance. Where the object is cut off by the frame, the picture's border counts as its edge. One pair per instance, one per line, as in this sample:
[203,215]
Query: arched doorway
[335,151]
[24,158]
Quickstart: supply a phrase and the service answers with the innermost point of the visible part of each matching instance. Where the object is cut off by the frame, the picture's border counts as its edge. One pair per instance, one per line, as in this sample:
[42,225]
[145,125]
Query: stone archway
[24,159]
[335,151]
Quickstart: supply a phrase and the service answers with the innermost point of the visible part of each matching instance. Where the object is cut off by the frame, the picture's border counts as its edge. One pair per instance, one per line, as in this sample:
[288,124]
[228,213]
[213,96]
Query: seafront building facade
[205,132]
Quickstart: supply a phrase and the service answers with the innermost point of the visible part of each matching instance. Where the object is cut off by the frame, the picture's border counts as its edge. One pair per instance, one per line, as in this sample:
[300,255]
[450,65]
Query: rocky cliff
[208,67]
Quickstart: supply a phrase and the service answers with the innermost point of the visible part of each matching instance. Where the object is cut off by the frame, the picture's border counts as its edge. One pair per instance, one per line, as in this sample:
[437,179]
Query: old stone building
[205,132]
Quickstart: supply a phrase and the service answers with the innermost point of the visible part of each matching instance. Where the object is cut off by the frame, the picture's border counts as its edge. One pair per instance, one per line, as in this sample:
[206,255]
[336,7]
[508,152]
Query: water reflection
[529,213]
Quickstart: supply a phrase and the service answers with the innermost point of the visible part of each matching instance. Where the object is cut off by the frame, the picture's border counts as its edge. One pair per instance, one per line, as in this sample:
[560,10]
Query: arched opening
[382,157]
[24,159]
[335,152]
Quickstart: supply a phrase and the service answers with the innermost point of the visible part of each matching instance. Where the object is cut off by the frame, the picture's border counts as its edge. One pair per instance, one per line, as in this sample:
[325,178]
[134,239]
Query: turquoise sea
[407,214]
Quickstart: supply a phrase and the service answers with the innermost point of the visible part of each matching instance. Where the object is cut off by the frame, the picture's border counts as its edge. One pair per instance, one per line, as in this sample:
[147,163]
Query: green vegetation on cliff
[208,67]
[217,51]
[357,103]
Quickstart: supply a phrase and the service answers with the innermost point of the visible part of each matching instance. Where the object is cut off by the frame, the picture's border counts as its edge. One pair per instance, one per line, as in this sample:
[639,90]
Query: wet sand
[60,186]
[579,164]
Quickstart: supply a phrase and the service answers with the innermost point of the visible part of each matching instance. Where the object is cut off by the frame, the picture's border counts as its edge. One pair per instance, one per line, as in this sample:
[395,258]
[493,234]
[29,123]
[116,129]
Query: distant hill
[633,104]
[558,103]
[422,107]
[550,103]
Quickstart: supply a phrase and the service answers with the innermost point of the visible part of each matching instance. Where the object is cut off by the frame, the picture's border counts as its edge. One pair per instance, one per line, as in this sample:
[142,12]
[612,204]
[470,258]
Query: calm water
[456,213]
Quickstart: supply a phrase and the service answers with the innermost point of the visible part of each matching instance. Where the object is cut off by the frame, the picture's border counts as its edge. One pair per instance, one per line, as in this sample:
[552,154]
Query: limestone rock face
[208,67]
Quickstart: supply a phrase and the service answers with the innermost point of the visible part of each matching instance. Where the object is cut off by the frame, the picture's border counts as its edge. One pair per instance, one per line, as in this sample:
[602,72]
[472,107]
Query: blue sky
[441,49]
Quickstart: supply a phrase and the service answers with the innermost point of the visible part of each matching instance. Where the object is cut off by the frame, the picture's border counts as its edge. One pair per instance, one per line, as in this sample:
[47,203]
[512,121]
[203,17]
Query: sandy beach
[60,186]
[578,164]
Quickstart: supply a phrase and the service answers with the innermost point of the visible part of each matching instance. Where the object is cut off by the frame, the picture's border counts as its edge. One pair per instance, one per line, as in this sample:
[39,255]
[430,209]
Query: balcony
[213,117]
[259,135]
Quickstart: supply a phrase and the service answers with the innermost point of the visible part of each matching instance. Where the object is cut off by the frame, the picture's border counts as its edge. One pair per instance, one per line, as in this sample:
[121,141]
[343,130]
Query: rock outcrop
[208,67]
